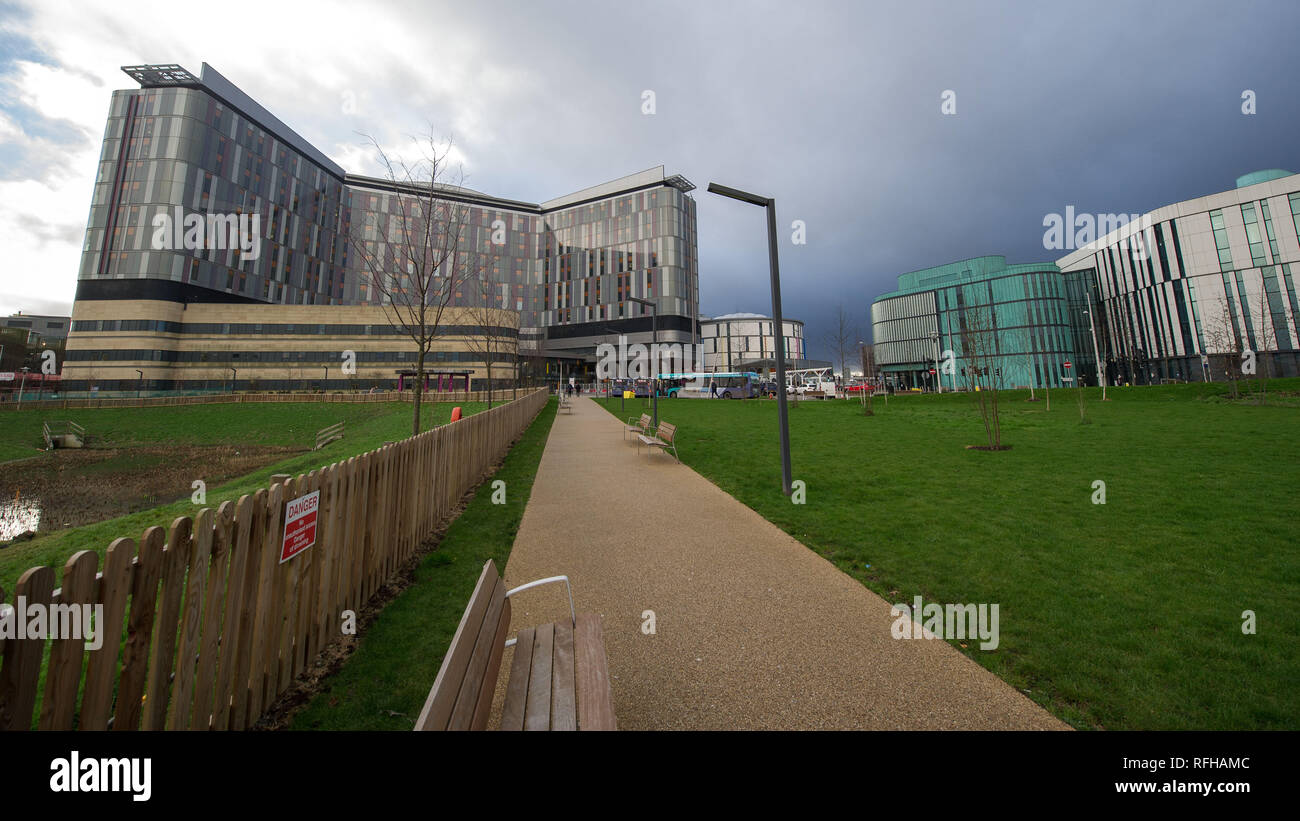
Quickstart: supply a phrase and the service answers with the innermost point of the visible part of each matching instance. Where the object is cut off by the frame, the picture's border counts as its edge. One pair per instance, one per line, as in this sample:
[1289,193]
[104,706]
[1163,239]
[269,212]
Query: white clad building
[1191,283]
[732,341]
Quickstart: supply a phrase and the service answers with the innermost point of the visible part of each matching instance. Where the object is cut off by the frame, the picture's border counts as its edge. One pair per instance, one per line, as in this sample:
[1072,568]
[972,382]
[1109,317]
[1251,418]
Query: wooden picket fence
[497,395]
[328,434]
[210,626]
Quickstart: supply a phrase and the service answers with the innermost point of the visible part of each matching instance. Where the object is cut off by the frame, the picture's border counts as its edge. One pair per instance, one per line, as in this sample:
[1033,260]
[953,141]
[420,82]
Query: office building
[166,301]
[1190,284]
[1020,314]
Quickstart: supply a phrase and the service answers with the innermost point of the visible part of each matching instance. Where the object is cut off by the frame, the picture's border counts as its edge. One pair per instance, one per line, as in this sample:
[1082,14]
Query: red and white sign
[1067,365]
[8,376]
[299,525]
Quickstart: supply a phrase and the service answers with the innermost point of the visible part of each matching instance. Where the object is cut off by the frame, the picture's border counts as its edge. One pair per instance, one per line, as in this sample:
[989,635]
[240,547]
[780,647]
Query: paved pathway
[754,630]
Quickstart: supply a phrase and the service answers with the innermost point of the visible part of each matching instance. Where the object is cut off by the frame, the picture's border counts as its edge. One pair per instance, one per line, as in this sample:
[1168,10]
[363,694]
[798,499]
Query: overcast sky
[834,109]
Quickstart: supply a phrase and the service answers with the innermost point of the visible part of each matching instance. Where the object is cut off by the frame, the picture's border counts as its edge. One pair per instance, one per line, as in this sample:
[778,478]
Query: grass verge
[1122,615]
[382,685]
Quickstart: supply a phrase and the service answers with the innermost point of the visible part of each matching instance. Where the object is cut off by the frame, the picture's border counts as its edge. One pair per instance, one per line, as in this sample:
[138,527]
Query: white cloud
[399,67]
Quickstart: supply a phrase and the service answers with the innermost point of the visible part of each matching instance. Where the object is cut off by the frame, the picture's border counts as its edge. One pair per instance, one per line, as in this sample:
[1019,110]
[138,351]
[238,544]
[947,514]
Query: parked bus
[731,385]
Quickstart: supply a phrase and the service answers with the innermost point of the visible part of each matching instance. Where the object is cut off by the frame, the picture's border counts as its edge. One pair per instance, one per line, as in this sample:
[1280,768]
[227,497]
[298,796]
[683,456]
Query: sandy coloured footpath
[753,629]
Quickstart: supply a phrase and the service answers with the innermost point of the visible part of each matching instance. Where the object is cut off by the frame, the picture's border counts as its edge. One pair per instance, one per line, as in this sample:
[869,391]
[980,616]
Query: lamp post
[938,377]
[654,350]
[139,385]
[22,385]
[777,322]
[324,386]
[234,374]
[1092,328]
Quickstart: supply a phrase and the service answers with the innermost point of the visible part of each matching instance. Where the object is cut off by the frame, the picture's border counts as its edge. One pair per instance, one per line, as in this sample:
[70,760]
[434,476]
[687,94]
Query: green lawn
[383,684]
[261,423]
[1126,615]
[368,426]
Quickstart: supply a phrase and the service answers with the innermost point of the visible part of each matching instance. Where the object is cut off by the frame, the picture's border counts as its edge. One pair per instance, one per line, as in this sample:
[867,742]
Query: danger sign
[299,525]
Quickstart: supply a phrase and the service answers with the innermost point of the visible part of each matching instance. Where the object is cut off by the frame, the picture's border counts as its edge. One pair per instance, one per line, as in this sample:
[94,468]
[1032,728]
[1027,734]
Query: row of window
[324,357]
[269,329]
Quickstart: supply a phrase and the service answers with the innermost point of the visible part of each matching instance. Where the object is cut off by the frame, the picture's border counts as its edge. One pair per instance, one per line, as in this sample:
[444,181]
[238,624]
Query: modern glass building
[1191,283]
[1022,313]
[182,145]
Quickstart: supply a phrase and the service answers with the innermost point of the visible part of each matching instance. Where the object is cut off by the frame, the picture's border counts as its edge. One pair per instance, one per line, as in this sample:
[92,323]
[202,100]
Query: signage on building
[299,525]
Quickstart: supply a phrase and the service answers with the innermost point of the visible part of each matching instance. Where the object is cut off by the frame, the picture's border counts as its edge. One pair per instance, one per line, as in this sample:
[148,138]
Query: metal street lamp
[938,382]
[777,322]
[234,376]
[1096,355]
[654,350]
[139,386]
[22,385]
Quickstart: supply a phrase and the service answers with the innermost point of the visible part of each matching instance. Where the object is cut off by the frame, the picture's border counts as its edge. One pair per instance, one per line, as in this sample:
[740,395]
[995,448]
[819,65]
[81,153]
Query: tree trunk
[419,392]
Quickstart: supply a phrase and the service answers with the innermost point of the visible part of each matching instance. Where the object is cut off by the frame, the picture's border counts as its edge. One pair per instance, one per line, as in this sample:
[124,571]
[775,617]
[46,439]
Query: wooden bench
[665,437]
[559,679]
[642,425]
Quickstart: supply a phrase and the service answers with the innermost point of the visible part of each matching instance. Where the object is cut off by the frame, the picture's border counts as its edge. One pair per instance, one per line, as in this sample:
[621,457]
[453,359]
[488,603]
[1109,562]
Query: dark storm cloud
[832,108]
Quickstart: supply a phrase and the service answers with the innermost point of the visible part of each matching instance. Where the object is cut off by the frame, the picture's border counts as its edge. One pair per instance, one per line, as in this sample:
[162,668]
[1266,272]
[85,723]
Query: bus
[729,385]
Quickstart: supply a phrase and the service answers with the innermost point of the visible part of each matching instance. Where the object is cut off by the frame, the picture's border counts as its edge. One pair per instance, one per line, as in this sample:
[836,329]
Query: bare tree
[496,326]
[1223,340]
[869,370]
[840,340]
[979,339]
[413,252]
[1265,341]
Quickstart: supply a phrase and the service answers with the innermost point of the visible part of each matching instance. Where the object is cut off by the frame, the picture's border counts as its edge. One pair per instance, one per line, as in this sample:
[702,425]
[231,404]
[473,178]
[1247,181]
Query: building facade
[46,327]
[747,342]
[1196,288]
[1017,318]
[182,154]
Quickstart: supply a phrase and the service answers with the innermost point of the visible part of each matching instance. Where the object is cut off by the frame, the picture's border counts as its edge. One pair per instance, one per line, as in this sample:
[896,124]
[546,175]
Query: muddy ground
[78,487]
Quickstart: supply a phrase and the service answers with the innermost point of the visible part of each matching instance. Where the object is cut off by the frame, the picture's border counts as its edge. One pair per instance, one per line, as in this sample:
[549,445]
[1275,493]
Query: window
[1221,239]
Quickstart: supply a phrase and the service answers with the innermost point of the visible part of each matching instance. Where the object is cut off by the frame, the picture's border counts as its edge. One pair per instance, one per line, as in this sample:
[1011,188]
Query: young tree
[1265,338]
[979,340]
[840,340]
[496,326]
[869,372]
[413,251]
[1223,340]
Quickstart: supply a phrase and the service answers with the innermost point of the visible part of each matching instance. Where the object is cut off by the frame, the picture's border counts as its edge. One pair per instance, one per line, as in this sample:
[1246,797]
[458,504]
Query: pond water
[17,517]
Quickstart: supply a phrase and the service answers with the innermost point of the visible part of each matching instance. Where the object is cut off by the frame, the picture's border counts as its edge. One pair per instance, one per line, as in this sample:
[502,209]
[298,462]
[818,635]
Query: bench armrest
[548,580]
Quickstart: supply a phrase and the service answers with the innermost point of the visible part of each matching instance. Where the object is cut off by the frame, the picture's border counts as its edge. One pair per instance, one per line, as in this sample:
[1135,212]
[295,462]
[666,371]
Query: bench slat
[595,700]
[442,698]
[537,713]
[488,691]
[564,715]
[485,661]
[512,715]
